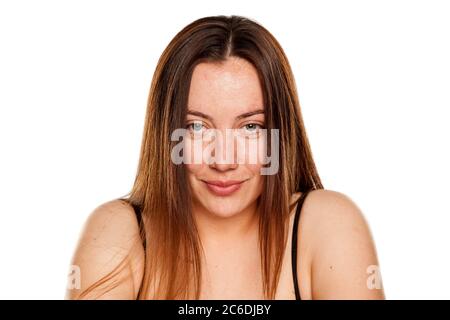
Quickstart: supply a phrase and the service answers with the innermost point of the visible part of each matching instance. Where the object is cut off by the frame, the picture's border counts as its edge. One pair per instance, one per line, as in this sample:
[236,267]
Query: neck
[215,230]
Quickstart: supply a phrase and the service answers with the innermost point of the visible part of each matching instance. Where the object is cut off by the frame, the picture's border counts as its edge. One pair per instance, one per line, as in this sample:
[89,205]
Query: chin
[223,207]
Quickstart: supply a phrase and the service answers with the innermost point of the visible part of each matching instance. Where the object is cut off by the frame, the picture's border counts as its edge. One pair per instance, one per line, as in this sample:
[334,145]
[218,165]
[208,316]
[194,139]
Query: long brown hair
[161,191]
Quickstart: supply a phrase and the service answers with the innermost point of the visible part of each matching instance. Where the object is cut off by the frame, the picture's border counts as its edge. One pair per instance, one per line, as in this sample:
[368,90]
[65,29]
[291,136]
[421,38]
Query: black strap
[137,210]
[294,244]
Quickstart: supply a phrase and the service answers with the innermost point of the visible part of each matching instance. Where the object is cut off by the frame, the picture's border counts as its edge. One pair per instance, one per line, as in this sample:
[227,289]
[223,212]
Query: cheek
[189,150]
[257,179]
[193,172]
[193,168]
[255,170]
[193,150]
[251,151]
[197,151]
[256,185]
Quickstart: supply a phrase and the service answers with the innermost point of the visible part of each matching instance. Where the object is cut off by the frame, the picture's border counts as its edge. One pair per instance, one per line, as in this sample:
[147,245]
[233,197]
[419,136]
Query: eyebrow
[241,116]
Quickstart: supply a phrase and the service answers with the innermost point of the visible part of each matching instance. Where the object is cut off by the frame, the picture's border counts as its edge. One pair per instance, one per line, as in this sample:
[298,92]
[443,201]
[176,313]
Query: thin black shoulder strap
[137,210]
[294,243]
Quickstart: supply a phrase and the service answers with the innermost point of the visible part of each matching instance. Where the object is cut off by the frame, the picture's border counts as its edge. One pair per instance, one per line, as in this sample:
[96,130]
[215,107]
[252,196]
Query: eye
[252,127]
[251,130]
[195,127]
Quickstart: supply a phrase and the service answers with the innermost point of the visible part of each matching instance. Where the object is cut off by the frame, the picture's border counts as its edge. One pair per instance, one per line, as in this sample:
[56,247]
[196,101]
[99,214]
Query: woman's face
[225,123]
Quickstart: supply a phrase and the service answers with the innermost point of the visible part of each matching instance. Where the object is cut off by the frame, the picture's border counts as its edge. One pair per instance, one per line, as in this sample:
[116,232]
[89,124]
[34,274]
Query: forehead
[226,89]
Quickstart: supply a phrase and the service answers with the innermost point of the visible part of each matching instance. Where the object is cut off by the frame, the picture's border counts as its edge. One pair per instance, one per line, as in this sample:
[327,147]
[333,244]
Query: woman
[214,229]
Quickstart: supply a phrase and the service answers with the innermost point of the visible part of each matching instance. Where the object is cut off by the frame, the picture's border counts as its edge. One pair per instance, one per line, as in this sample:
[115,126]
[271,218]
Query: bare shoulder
[341,248]
[113,222]
[110,248]
[331,209]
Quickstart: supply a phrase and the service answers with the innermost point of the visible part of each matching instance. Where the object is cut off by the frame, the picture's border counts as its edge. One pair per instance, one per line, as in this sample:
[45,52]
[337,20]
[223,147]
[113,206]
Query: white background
[373,80]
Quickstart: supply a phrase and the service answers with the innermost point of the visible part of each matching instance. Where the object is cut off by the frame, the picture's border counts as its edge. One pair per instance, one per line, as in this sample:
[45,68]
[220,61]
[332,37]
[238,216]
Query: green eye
[251,130]
[251,127]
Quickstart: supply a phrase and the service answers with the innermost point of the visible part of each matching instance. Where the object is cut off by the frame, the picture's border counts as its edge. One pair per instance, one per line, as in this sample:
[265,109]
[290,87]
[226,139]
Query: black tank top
[293,245]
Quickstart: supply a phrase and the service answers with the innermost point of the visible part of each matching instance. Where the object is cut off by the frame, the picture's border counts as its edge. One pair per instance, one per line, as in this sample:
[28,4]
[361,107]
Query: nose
[223,166]
[224,151]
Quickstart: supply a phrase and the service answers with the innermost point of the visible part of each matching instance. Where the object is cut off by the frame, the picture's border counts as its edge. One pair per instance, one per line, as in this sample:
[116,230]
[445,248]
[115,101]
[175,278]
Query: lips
[223,188]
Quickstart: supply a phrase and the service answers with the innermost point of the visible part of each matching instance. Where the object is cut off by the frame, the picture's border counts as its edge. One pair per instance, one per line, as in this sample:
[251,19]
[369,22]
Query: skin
[335,246]
[223,93]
